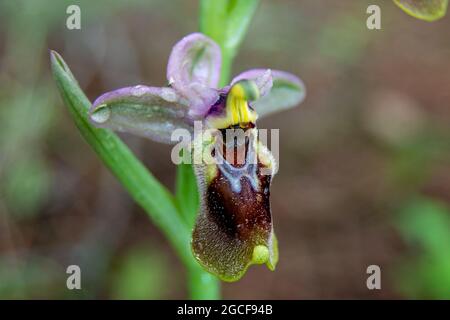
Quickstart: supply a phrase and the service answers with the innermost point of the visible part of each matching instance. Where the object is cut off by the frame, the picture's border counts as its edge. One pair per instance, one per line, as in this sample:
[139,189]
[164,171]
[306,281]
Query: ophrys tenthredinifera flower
[234,226]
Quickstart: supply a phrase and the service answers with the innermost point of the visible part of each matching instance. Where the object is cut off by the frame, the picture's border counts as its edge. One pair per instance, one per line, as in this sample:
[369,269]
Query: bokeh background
[364,162]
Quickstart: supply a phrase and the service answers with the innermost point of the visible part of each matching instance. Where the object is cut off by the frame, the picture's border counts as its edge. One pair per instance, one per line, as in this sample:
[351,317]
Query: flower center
[236,113]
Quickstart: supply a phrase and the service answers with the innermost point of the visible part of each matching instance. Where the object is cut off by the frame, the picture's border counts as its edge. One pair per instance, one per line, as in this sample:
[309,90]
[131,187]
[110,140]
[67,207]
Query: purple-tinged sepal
[150,112]
[280,90]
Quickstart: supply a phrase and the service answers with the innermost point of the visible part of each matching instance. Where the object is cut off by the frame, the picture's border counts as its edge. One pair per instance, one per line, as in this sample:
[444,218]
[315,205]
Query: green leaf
[240,14]
[427,222]
[26,185]
[142,186]
[226,22]
[428,10]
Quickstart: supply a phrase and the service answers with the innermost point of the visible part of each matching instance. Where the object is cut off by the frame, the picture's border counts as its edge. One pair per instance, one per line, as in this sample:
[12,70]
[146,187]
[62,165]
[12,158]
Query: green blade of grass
[137,180]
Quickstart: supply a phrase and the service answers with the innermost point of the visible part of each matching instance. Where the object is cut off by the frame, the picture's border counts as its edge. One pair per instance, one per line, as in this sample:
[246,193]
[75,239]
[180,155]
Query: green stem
[235,15]
[202,285]
[226,22]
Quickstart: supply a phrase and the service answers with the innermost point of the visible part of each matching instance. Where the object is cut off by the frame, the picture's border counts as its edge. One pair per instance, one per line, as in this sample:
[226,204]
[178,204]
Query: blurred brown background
[364,162]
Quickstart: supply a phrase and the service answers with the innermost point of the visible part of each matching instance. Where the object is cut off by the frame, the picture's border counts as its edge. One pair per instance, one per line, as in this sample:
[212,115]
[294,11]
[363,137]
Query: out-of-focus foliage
[25,280]
[412,162]
[145,189]
[142,274]
[429,10]
[425,224]
[337,42]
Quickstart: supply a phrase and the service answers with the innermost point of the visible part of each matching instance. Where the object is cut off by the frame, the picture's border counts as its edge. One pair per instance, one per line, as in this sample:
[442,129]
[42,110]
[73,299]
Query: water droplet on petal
[101,114]
[138,91]
[168,95]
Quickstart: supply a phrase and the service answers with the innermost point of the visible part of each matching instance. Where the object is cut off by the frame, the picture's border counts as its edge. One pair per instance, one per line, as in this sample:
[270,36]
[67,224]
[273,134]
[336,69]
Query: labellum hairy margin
[234,227]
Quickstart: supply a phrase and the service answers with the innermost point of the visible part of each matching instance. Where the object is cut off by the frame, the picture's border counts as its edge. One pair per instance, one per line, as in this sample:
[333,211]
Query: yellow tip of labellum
[260,254]
[245,90]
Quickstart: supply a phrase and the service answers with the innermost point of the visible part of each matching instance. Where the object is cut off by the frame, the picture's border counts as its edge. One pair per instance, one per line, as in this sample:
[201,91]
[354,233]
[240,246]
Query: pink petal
[194,71]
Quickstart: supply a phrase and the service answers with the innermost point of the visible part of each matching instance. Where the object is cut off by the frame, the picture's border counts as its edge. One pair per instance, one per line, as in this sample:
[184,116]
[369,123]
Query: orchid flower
[428,10]
[234,226]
